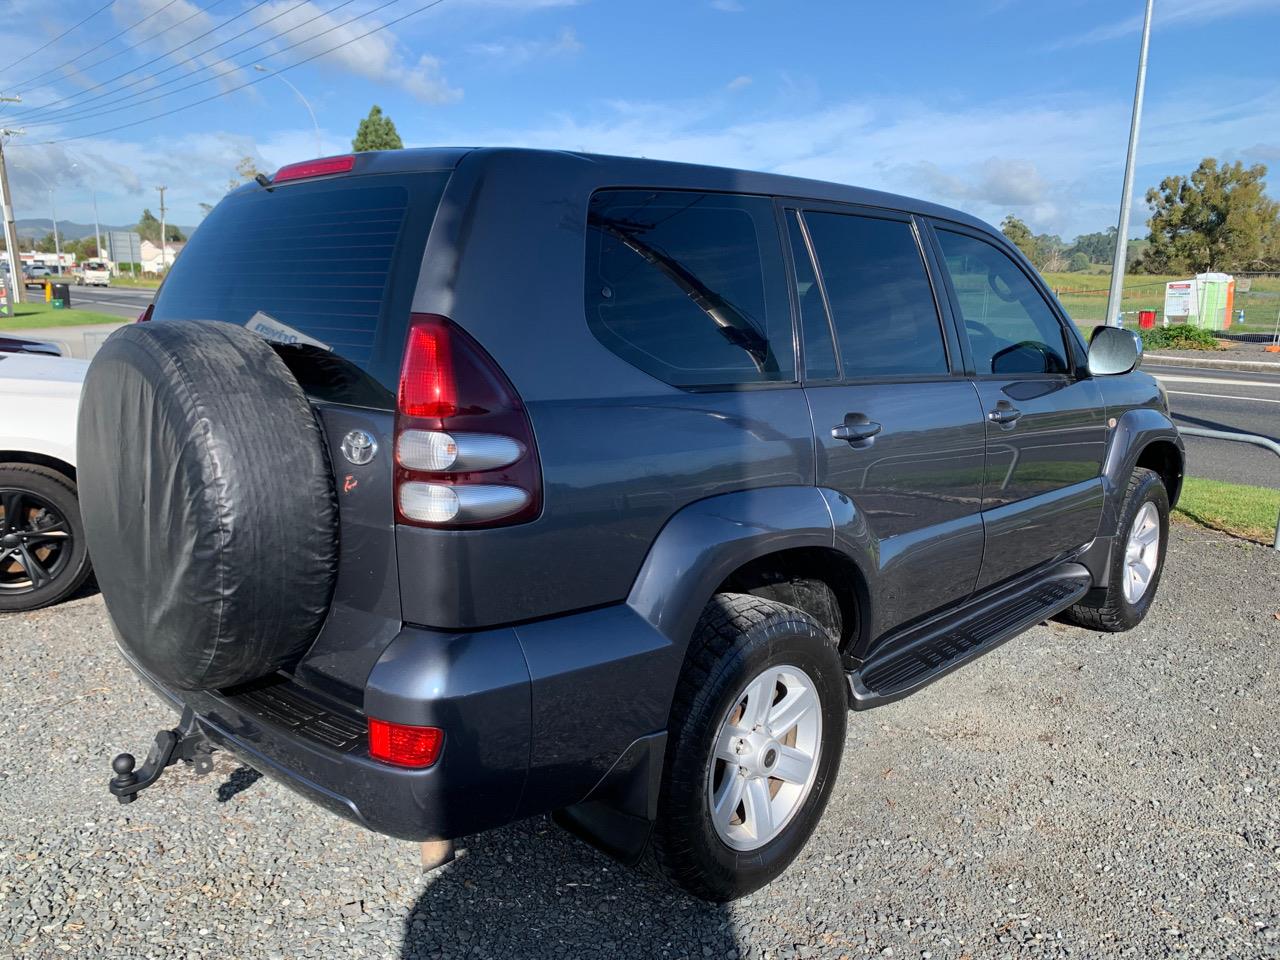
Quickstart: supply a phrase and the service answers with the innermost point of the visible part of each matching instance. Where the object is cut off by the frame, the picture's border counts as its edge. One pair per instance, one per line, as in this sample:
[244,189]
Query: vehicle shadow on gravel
[532,890]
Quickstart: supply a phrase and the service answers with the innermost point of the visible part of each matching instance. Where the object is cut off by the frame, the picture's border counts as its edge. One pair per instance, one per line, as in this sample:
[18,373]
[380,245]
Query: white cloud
[515,52]
[1056,164]
[379,56]
[1166,13]
[739,83]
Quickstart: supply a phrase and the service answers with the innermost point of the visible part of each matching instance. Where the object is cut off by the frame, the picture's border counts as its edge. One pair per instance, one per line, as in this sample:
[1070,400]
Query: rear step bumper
[937,647]
[531,718]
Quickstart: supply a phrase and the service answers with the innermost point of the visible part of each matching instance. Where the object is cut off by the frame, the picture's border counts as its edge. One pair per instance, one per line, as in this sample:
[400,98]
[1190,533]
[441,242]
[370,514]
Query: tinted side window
[687,286]
[819,351]
[881,302]
[1011,329]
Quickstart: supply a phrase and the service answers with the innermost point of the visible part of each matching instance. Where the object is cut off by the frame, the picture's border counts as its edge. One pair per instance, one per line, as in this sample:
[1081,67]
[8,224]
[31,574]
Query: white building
[151,259]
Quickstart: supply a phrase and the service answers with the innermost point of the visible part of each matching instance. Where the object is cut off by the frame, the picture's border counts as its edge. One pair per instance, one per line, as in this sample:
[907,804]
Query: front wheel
[756,733]
[1137,560]
[43,558]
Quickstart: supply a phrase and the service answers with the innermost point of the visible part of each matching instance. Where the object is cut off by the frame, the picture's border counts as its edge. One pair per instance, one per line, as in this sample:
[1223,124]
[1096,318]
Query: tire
[48,538]
[208,502]
[1112,610]
[739,639]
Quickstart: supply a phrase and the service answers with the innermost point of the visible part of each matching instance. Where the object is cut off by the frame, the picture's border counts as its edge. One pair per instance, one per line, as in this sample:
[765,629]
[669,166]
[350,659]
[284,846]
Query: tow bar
[186,743]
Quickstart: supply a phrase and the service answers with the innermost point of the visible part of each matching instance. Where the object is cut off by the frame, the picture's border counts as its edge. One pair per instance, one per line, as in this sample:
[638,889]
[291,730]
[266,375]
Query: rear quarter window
[330,264]
[689,287]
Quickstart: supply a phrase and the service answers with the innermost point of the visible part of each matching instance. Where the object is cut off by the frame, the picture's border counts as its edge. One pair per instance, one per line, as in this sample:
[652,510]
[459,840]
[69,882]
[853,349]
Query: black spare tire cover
[208,502]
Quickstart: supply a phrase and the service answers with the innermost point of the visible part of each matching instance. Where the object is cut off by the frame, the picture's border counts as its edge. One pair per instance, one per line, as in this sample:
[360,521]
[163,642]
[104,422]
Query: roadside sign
[124,246]
[5,309]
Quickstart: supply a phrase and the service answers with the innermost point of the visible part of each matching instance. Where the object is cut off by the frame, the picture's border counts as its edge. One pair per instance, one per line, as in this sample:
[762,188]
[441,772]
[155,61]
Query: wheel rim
[35,542]
[764,757]
[1142,553]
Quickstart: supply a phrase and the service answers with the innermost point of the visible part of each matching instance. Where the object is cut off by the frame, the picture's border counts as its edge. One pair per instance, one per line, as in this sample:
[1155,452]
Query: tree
[1050,253]
[1019,235]
[46,244]
[376,132]
[1079,262]
[1098,247]
[1217,218]
[246,170]
[149,229]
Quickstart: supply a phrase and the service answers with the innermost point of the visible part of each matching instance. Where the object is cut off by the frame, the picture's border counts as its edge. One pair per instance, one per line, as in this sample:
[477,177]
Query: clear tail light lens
[465,452]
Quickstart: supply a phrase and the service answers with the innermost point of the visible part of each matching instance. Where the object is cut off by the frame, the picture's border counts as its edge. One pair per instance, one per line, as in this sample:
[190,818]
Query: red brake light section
[452,389]
[427,385]
[145,315]
[314,168]
[404,745]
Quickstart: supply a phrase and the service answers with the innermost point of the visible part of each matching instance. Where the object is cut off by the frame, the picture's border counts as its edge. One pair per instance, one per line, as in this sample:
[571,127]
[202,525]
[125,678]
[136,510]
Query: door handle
[1005,413]
[856,427]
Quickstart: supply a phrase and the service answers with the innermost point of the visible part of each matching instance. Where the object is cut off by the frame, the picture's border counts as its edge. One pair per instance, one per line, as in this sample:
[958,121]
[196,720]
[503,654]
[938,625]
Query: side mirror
[1113,350]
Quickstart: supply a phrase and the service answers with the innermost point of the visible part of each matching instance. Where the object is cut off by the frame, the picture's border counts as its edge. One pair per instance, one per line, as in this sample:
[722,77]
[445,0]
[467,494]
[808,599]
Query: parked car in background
[93,273]
[35,275]
[43,555]
[23,345]
[601,487]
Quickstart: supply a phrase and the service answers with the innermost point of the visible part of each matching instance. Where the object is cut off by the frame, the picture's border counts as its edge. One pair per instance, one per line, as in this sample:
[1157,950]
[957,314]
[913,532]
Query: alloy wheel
[35,541]
[1141,553]
[765,757]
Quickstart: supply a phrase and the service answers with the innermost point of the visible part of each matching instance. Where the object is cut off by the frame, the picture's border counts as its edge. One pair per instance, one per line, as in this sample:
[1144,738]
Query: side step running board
[938,646]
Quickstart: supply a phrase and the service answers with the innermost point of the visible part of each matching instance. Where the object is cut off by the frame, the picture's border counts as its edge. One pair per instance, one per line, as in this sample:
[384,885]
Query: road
[125,302]
[1223,400]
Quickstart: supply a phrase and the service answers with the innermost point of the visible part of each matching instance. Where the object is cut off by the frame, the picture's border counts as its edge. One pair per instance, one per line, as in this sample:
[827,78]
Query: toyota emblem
[359,447]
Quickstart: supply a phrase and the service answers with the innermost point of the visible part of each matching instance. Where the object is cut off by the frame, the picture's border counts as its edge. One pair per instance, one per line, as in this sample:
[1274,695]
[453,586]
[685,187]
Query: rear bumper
[523,734]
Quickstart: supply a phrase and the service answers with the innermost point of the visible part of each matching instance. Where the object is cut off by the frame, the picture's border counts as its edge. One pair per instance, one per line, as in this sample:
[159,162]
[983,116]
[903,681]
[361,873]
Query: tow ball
[185,743]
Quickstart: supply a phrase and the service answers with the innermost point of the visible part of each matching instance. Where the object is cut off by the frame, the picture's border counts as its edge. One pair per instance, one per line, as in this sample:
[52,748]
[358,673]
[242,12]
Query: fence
[1253,438]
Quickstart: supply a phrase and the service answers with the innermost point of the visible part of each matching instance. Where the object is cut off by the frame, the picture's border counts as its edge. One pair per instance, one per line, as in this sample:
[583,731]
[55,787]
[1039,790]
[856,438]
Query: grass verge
[1235,508]
[33,316]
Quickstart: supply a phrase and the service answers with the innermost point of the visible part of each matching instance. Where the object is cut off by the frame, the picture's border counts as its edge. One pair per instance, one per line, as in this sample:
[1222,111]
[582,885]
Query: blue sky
[993,106]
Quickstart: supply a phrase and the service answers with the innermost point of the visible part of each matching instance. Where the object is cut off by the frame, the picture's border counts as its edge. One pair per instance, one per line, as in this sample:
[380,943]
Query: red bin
[1146,319]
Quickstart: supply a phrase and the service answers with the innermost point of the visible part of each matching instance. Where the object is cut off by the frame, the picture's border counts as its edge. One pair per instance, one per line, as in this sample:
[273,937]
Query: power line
[114,36]
[40,116]
[49,43]
[250,83]
[234,67]
[44,109]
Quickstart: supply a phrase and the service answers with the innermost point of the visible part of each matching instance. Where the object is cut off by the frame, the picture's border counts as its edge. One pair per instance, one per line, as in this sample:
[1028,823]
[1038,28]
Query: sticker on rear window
[272,329]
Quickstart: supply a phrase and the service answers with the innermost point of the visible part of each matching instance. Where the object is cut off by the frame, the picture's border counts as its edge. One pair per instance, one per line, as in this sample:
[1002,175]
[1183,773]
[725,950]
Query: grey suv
[451,487]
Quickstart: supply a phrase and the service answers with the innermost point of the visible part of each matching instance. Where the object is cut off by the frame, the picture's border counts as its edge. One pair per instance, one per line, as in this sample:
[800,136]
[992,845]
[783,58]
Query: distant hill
[37,227]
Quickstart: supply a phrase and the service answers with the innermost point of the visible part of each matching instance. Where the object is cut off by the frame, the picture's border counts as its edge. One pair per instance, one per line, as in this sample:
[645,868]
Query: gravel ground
[1071,794]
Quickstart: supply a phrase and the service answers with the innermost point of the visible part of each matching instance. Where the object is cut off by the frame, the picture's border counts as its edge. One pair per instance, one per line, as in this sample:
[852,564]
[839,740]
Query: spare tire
[208,502]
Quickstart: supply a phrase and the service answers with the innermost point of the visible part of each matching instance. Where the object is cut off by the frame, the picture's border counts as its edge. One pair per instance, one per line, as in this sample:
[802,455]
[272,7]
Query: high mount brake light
[403,745]
[145,315]
[314,168]
[464,454]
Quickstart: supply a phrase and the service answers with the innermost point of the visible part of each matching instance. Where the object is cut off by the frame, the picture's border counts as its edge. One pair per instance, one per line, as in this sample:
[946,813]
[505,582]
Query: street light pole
[261,69]
[1122,229]
[57,244]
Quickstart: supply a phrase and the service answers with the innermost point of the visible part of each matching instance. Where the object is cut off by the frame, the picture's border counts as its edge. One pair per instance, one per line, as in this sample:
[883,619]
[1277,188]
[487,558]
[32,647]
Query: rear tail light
[314,168]
[404,745]
[145,315]
[465,454]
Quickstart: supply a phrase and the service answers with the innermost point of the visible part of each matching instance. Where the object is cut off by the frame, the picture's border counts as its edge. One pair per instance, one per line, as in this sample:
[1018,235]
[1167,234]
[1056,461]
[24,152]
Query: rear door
[898,426]
[1046,422]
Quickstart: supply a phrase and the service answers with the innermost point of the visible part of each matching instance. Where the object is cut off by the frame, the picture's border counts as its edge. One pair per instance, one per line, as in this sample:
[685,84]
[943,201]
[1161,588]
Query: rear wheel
[1137,560]
[754,746]
[43,558]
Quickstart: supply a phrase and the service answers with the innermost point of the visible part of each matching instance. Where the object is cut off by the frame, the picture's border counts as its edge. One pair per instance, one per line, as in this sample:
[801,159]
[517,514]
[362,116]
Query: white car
[43,558]
[93,273]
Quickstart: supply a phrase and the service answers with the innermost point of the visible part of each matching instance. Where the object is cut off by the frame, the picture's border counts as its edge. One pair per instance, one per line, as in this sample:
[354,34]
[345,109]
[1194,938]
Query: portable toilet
[1216,293]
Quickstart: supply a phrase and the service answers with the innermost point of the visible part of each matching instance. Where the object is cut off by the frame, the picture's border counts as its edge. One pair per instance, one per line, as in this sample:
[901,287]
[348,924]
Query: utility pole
[57,244]
[1122,229]
[10,229]
[97,232]
[162,258]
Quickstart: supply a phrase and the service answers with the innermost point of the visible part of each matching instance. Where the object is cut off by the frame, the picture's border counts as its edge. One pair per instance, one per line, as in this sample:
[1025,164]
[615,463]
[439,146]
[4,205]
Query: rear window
[689,287]
[327,266]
